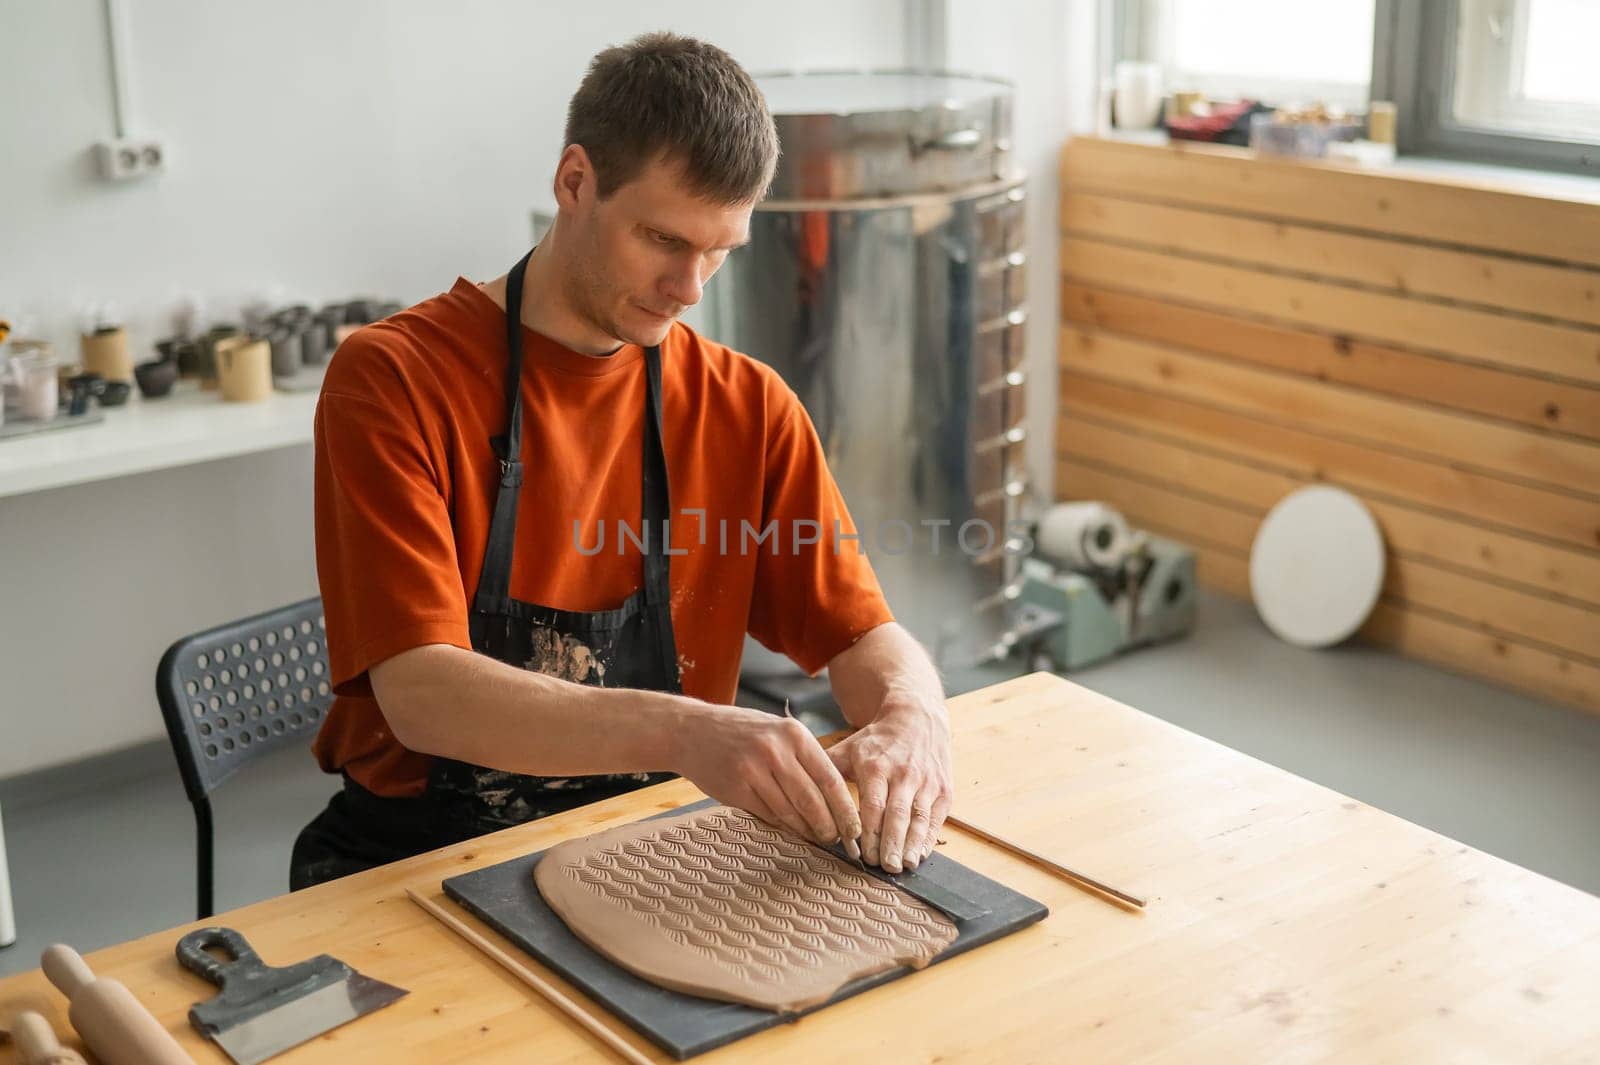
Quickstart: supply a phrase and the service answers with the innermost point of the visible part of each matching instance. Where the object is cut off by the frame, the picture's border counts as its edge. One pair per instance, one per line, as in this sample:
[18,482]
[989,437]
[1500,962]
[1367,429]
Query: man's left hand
[900,763]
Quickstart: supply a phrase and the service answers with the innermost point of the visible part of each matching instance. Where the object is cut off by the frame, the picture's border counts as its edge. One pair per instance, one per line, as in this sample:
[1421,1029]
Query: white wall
[321,150]
[1047,48]
[318,150]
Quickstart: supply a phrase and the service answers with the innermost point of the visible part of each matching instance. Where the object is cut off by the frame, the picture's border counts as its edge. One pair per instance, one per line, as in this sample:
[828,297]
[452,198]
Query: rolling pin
[114,1026]
[36,1042]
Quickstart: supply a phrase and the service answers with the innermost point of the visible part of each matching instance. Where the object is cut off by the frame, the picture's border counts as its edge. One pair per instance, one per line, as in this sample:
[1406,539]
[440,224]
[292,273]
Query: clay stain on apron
[563,657]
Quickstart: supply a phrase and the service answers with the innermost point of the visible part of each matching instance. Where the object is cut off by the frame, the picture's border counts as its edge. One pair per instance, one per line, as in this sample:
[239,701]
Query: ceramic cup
[285,352]
[206,347]
[80,389]
[244,370]
[156,377]
[114,393]
[314,345]
[1138,94]
[106,352]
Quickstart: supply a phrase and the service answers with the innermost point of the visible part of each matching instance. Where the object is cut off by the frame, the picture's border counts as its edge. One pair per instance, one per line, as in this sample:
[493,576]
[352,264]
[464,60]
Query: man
[492,666]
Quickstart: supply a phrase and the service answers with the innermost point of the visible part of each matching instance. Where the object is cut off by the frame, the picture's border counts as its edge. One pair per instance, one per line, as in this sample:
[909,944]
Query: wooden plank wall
[1233,328]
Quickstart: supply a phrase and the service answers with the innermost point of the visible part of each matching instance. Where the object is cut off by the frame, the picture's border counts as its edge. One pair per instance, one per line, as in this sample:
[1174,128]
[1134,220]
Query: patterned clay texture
[720,904]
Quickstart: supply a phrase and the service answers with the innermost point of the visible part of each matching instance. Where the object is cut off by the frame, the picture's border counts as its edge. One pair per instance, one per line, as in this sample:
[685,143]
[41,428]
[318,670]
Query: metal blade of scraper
[913,882]
[304,1019]
[263,1011]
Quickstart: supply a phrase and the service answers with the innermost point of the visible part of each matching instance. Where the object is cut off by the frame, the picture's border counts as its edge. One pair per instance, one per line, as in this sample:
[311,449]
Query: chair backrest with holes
[238,691]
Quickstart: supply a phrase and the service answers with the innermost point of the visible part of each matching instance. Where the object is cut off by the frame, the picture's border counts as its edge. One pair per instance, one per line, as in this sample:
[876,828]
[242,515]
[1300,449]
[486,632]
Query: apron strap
[509,446]
[494,582]
[655,507]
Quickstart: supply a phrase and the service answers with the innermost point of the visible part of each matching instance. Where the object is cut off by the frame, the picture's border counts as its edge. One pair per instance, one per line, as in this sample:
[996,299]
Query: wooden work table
[1286,923]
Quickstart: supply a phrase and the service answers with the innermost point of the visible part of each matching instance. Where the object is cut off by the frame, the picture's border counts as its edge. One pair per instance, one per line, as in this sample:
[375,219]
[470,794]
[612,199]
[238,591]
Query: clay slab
[719,904]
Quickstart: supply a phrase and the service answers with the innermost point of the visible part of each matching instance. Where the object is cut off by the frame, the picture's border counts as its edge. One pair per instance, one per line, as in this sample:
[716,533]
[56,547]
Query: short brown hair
[662,94]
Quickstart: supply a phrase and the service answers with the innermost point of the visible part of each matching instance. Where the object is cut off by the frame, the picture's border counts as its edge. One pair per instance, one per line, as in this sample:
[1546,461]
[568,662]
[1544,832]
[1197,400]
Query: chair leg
[204,863]
[8,923]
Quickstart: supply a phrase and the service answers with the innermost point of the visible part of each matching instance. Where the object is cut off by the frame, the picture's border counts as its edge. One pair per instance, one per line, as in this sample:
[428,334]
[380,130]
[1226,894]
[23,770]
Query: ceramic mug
[206,347]
[244,369]
[285,352]
[314,345]
[1138,94]
[106,352]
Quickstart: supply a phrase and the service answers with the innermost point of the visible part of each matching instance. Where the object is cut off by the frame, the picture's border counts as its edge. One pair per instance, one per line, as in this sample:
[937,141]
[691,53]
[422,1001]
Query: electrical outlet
[128,158]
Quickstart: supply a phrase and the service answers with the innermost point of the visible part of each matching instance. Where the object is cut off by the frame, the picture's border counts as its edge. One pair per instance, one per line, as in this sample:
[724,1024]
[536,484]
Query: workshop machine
[1112,588]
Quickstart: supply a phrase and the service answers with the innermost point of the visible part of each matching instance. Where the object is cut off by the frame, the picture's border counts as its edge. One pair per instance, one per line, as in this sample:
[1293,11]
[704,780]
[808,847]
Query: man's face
[642,256]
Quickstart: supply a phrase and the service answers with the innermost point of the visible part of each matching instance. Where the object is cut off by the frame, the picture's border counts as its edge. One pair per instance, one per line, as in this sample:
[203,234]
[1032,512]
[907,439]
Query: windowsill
[1574,187]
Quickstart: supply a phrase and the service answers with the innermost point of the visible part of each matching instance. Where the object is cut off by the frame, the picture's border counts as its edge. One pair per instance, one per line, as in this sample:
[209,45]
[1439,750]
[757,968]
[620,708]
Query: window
[1505,81]
[1276,51]
[1528,67]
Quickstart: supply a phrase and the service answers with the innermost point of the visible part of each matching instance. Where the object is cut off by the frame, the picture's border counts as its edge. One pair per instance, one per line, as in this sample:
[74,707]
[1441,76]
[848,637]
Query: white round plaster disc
[1316,566]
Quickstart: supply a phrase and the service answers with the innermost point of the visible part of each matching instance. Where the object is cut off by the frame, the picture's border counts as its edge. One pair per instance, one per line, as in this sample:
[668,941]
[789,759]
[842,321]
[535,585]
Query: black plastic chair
[234,693]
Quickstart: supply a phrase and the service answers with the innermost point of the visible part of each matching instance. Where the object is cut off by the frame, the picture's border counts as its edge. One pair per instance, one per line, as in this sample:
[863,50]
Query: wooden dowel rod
[516,968]
[1060,870]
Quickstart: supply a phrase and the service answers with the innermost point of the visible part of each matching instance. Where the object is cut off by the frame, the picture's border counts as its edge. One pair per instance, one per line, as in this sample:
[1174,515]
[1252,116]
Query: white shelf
[187,427]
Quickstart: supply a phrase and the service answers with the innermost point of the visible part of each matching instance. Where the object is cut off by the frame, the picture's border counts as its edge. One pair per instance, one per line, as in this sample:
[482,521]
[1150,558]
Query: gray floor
[1510,775]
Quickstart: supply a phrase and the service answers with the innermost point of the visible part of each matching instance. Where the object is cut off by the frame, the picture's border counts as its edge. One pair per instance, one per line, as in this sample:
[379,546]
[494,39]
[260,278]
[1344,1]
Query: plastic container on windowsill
[1271,134]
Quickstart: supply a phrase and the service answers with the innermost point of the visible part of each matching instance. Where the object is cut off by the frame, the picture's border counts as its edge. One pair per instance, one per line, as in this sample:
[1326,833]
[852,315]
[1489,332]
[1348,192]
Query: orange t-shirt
[406,481]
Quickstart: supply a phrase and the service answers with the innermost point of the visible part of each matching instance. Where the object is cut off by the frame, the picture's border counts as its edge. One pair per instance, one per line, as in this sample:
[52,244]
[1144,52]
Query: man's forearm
[885,668]
[446,701]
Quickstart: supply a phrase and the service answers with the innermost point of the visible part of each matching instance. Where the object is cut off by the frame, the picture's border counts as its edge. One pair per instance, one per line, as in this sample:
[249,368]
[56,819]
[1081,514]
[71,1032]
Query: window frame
[1413,64]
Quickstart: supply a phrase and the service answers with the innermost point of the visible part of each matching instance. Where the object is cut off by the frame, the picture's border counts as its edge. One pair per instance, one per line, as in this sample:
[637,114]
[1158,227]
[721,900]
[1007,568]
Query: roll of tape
[1084,535]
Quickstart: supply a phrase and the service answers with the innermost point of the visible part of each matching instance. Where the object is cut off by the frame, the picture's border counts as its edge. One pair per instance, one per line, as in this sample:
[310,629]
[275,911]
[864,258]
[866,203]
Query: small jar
[37,386]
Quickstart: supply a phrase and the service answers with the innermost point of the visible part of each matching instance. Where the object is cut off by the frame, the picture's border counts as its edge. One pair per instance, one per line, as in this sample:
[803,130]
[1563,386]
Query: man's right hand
[771,766]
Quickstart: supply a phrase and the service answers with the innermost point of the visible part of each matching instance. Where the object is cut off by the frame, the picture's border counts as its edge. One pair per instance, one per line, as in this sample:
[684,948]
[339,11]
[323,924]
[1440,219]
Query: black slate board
[504,896]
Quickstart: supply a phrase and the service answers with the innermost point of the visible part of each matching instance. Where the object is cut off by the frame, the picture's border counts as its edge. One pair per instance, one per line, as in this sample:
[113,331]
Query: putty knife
[264,1010]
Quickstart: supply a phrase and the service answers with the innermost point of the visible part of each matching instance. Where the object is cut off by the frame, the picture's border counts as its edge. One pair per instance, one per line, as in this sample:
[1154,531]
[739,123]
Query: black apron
[630,646]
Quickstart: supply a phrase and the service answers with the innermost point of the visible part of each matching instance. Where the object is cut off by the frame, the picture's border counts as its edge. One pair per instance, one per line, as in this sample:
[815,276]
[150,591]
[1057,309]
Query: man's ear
[576,186]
